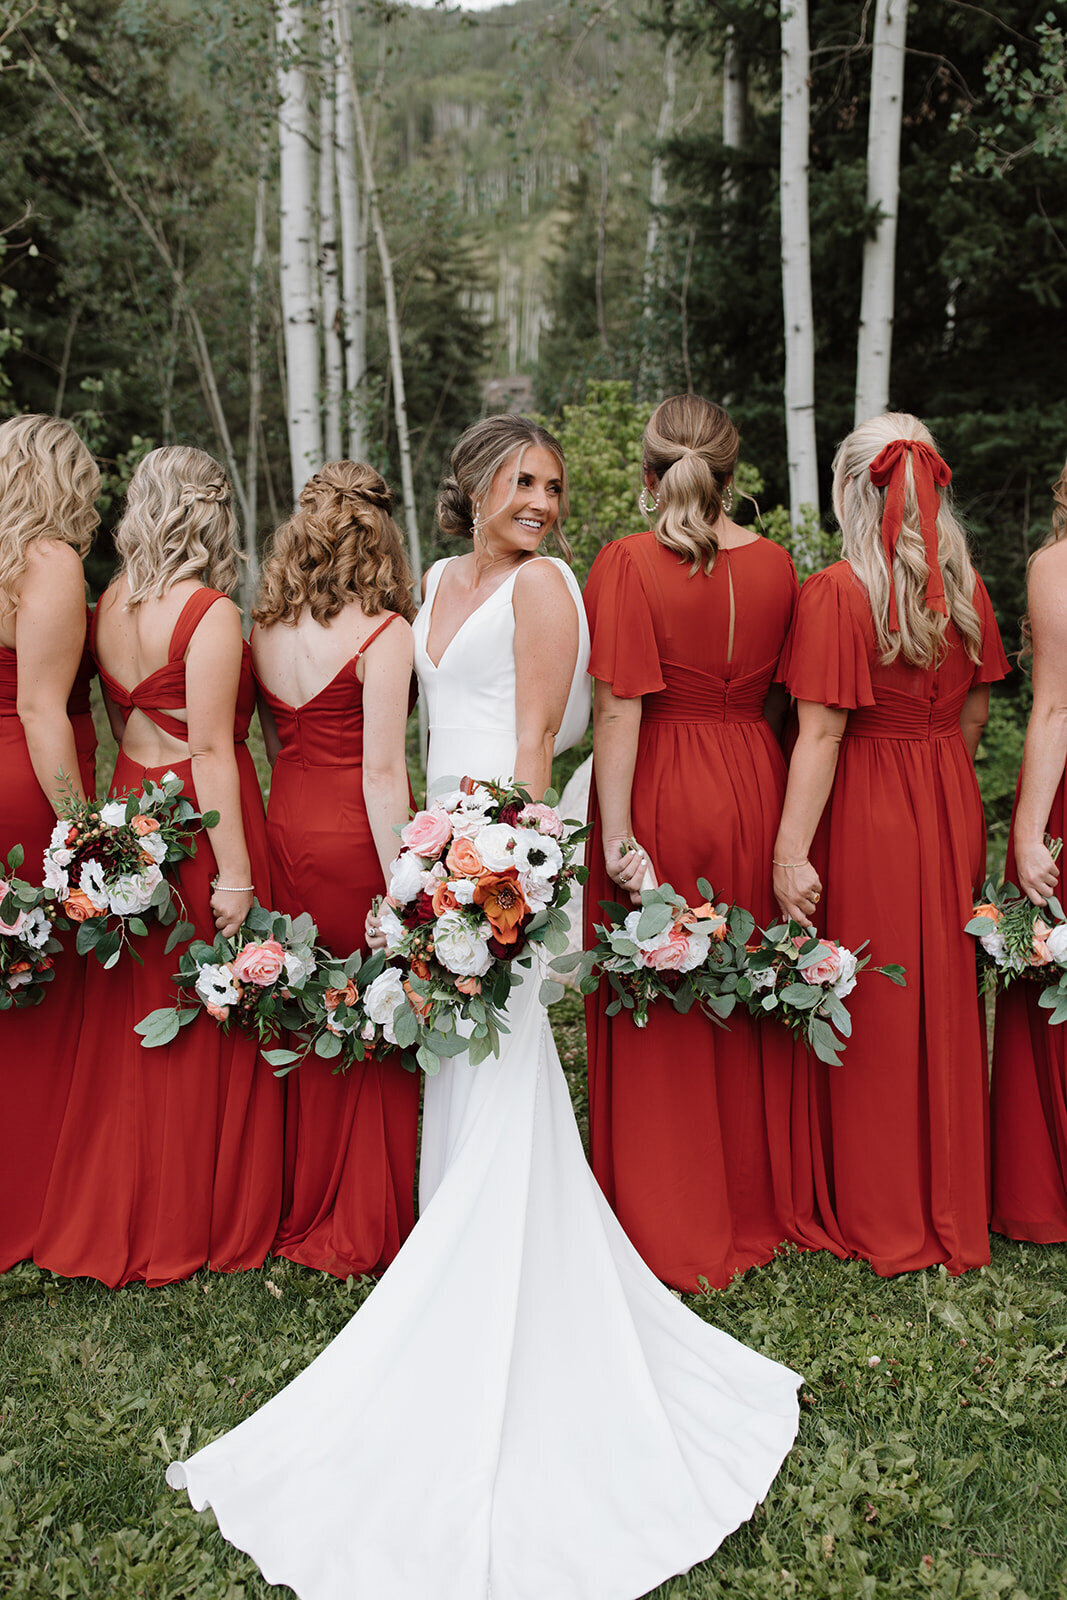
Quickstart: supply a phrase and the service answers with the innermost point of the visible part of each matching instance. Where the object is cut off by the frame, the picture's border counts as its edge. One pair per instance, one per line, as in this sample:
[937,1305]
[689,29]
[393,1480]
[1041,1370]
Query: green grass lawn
[932,1456]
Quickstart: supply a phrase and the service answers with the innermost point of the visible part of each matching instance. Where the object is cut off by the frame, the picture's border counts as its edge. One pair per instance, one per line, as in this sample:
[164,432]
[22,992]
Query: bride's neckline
[436,665]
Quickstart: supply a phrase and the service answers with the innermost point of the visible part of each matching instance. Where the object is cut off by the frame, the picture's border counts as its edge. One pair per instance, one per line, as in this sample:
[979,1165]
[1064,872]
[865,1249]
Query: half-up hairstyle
[859,506]
[48,483]
[178,523]
[341,544]
[691,447]
[1057,532]
[479,454]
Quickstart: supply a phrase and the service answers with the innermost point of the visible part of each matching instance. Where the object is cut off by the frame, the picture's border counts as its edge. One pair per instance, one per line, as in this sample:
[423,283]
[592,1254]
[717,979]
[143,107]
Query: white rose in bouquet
[468,811]
[113,813]
[298,968]
[216,985]
[382,998]
[993,945]
[461,948]
[463,889]
[1056,943]
[154,845]
[131,894]
[55,875]
[407,877]
[392,927]
[646,946]
[496,844]
[538,891]
[699,945]
[847,980]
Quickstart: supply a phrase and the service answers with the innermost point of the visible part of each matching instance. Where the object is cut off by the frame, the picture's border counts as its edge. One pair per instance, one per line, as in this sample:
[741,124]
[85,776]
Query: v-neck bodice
[327,730]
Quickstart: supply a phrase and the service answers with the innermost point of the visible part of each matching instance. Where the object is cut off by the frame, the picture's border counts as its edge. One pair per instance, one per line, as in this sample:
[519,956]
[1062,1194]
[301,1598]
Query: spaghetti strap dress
[350,1139]
[892,1146]
[688,1122]
[37,1055]
[170,1159]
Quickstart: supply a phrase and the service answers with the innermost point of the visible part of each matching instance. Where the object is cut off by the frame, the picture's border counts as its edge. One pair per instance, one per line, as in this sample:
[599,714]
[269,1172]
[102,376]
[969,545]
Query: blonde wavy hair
[691,447]
[481,451]
[48,483]
[858,507]
[178,523]
[1056,532]
[340,544]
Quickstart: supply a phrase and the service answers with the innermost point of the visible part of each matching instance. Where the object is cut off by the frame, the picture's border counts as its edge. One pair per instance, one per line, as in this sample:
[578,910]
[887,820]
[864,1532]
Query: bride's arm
[546,650]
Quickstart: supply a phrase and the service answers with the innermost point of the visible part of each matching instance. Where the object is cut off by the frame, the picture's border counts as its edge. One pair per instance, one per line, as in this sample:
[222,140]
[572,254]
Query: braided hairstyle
[178,523]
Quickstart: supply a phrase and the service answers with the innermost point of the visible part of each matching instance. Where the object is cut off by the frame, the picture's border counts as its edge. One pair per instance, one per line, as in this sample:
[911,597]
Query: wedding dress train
[520,1410]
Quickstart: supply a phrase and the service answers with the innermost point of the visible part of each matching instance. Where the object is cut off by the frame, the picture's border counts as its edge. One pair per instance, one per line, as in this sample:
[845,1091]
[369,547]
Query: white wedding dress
[520,1410]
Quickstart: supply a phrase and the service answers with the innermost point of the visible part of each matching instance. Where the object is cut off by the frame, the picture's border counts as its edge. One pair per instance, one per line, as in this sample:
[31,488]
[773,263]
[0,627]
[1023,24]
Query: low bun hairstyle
[691,447]
[178,523]
[341,544]
[48,483]
[479,454]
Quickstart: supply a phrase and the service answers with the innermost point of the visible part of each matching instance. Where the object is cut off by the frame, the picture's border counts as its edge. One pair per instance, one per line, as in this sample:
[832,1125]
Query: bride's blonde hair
[859,506]
[48,483]
[178,523]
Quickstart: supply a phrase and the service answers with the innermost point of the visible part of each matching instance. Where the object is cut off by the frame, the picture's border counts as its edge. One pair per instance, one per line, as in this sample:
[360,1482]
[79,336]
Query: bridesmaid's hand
[798,890]
[230,908]
[1036,870]
[626,865]
[372,932]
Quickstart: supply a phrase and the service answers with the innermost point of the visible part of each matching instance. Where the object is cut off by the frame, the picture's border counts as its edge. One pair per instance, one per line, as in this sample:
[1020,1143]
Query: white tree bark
[734,100]
[353,258]
[329,296]
[250,581]
[298,248]
[796,264]
[875,343]
[651,370]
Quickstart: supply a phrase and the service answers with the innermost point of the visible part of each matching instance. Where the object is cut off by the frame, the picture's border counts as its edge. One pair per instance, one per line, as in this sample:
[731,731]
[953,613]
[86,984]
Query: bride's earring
[648,503]
[728,498]
[478,526]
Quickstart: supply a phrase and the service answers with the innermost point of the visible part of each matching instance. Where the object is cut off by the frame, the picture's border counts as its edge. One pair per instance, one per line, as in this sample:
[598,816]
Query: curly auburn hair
[48,483]
[340,544]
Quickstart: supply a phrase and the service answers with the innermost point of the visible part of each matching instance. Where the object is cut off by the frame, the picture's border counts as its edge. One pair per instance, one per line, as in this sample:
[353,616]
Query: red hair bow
[887,471]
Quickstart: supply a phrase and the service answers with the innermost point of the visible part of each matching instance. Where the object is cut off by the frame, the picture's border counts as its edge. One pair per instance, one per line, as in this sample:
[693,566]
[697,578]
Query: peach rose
[428,832]
[463,859]
[987,911]
[419,1004]
[332,998]
[79,908]
[259,963]
[443,900]
[503,903]
[469,985]
[705,913]
[220,1013]
[1040,956]
[142,825]
[670,957]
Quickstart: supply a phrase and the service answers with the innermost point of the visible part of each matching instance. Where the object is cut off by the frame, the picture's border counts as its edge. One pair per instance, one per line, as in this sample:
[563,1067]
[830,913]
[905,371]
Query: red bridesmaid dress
[891,1148]
[350,1138]
[1030,1101]
[168,1159]
[681,1126]
[36,1044]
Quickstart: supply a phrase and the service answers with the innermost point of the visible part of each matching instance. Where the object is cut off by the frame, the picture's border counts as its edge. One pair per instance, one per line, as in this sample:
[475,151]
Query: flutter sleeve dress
[687,1136]
[891,1148]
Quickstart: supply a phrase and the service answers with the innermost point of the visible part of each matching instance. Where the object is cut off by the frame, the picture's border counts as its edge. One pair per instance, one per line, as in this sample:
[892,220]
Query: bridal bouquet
[28,944]
[666,949]
[1017,939]
[106,862]
[803,981]
[484,873]
[254,979]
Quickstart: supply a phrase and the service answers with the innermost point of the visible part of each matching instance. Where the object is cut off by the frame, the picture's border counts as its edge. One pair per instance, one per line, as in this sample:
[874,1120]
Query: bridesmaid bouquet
[484,873]
[1017,939]
[348,1012]
[28,946]
[666,949]
[254,979]
[803,981]
[106,862]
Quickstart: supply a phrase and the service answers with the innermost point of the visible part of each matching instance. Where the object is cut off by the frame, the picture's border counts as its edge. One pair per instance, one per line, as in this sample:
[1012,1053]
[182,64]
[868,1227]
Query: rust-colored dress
[1030,1100]
[350,1139]
[681,1135]
[891,1148]
[36,1044]
[168,1159]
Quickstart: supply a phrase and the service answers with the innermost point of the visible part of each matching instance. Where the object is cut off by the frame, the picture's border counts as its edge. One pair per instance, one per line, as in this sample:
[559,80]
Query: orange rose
[704,913]
[503,902]
[79,908]
[419,1004]
[987,911]
[332,998]
[420,968]
[443,900]
[142,825]
[463,859]
[469,985]
[19,966]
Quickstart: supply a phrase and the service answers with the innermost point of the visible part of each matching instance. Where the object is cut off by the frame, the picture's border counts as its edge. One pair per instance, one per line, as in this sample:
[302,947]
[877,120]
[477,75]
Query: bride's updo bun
[479,454]
[691,447]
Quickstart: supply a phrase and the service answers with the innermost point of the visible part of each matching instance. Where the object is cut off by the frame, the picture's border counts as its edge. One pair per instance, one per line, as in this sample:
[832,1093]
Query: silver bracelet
[231,888]
[789,864]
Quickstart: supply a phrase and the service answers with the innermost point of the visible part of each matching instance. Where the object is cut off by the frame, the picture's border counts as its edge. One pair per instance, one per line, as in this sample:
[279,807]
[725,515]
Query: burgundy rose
[424,911]
[508,952]
[511,813]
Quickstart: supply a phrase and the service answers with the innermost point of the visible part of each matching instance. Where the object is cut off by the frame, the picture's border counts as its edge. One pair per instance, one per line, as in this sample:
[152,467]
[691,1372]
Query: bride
[520,1410]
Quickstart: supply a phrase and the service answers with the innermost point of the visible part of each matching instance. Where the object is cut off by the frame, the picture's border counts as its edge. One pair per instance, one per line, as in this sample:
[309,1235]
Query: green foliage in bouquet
[28,922]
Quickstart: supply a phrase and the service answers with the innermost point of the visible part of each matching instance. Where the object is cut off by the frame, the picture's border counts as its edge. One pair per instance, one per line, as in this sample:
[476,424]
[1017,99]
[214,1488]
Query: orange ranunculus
[989,911]
[469,985]
[142,824]
[503,903]
[420,968]
[419,1004]
[463,859]
[443,900]
[332,998]
[79,908]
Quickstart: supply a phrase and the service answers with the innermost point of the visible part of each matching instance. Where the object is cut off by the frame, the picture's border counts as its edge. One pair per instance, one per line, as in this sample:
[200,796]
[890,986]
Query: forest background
[578,209]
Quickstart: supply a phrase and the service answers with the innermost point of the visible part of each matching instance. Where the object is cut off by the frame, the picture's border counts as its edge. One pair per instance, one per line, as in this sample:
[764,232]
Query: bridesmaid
[1029,1057]
[891,657]
[171,1159]
[48,483]
[332,654]
[687,623]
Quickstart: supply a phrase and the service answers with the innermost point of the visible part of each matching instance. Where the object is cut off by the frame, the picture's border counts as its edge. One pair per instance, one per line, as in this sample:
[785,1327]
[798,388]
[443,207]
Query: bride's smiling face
[523,502]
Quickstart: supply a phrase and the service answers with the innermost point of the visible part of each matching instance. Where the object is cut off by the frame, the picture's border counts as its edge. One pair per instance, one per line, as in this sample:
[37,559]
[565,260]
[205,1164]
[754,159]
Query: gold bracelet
[789,864]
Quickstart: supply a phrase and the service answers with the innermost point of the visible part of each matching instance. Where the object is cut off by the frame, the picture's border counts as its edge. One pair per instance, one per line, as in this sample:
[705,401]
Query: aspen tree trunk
[333,352]
[297,248]
[734,103]
[651,373]
[250,582]
[796,264]
[353,256]
[875,343]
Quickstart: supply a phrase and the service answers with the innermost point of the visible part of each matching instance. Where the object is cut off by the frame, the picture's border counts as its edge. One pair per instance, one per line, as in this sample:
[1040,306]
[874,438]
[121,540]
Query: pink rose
[259,963]
[670,957]
[428,832]
[544,818]
[220,1013]
[829,969]
[19,922]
